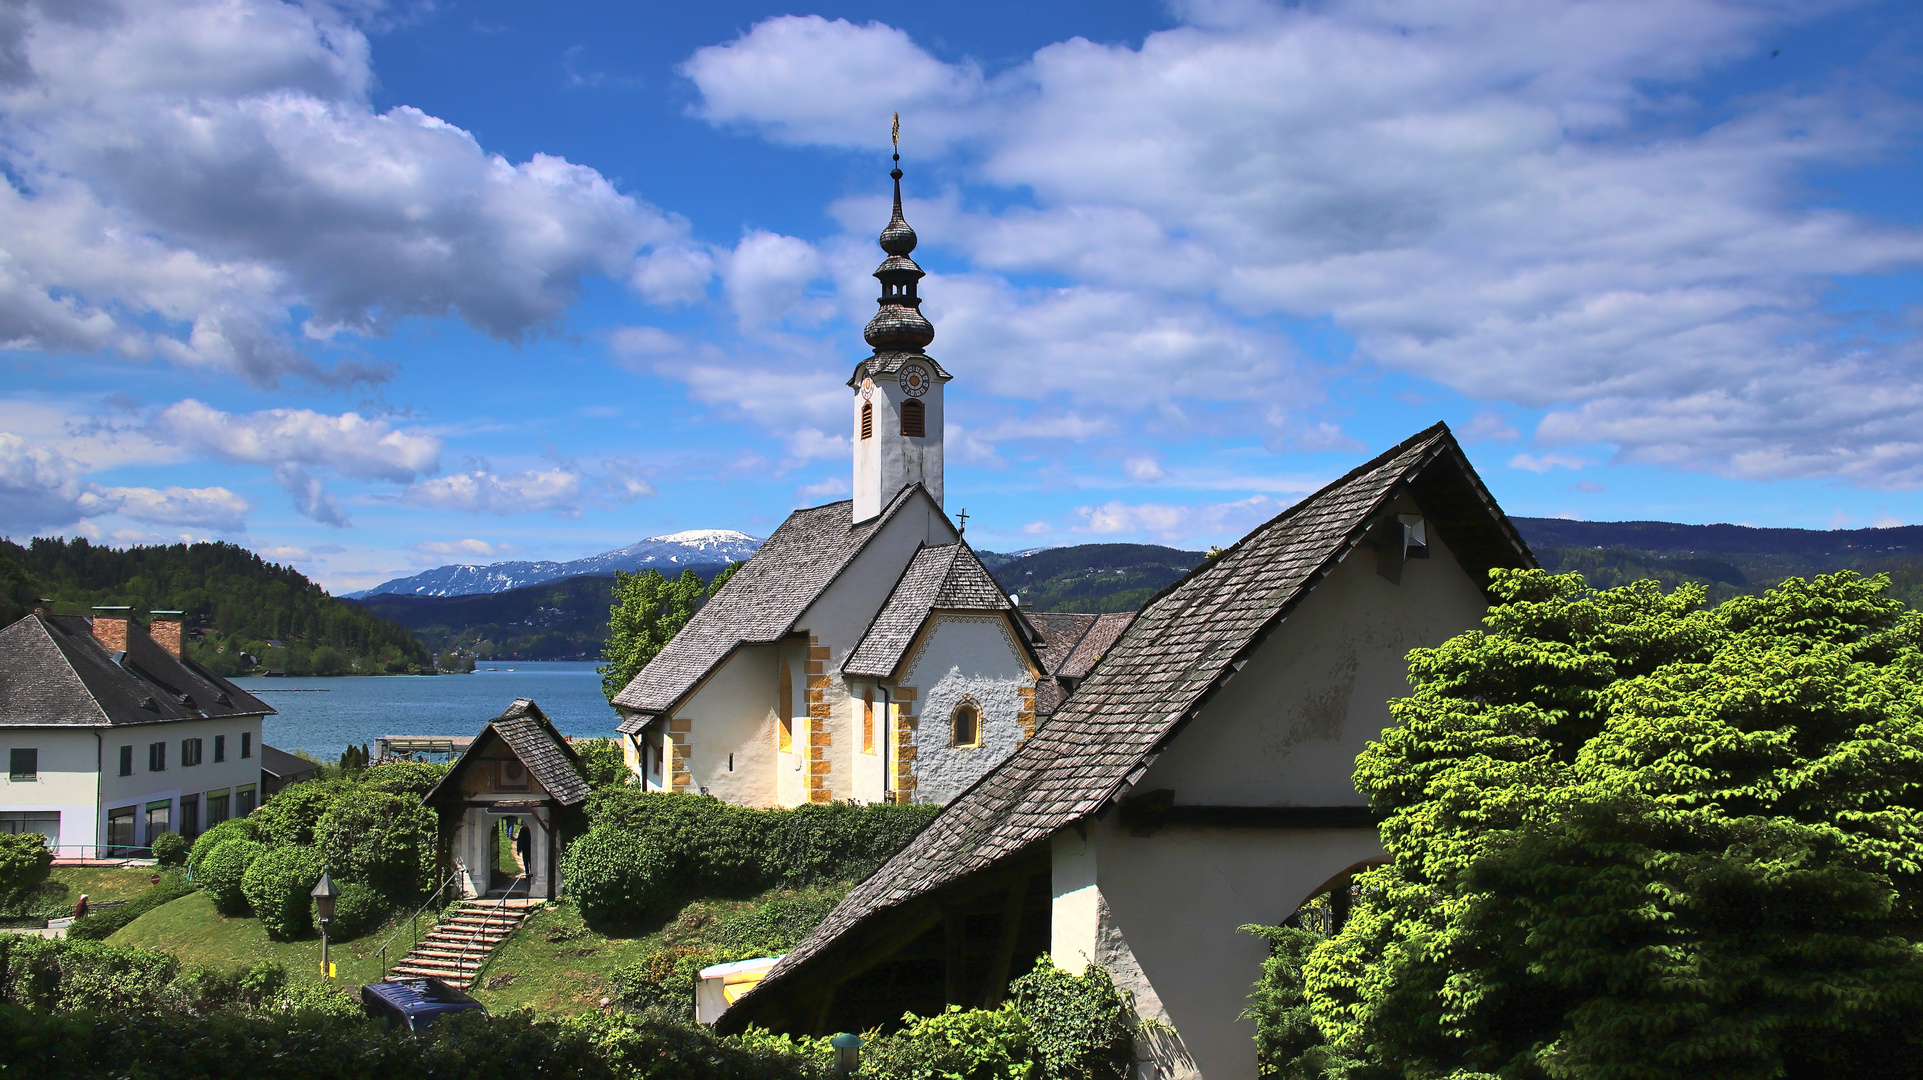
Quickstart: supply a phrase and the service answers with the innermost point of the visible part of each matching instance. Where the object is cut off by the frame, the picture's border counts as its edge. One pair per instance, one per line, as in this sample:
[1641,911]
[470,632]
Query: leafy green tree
[18,591]
[382,840]
[648,611]
[1635,838]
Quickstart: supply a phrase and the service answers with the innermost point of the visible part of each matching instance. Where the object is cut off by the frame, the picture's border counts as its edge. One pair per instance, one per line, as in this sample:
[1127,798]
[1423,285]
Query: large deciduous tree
[1634,838]
[648,611]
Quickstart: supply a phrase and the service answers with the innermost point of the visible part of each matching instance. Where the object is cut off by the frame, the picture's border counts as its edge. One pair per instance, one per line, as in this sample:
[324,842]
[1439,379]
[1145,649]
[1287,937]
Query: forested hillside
[554,620]
[238,606]
[1092,577]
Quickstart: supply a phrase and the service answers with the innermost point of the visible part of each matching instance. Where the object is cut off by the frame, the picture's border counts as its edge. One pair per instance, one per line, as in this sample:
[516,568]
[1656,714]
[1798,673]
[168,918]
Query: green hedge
[357,910]
[382,840]
[170,849]
[277,887]
[615,876]
[717,848]
[232,829]
[99,927]
[223,870]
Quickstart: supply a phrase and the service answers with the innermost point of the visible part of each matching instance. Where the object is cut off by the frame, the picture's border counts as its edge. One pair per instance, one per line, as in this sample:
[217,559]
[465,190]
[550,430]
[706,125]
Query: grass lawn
[192,930]
[65,884]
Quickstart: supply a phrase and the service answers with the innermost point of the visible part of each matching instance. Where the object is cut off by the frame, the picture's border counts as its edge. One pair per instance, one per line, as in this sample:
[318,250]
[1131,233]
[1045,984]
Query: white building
[1198,779]
[864,652]
[112,737]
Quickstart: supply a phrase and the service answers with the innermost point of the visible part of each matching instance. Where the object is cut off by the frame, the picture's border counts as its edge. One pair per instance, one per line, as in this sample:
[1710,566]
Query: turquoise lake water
[323,716]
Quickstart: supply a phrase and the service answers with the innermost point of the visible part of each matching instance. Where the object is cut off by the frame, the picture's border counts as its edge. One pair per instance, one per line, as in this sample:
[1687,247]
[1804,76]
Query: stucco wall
[964,657]
[176,780]
[733,712]
[66,784]
[1284,731]
[887,462]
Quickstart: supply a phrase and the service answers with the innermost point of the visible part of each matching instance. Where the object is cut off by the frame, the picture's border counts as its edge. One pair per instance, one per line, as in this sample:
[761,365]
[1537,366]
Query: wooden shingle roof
[1182,646]
[759,604]
[533,738]
[942,577]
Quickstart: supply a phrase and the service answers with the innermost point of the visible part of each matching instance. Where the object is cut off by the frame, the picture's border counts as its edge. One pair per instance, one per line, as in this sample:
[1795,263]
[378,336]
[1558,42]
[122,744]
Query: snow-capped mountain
[669,554]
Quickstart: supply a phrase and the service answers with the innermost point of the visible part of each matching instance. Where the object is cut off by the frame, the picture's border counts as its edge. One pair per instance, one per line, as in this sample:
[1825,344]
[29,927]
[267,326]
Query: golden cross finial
[894,135]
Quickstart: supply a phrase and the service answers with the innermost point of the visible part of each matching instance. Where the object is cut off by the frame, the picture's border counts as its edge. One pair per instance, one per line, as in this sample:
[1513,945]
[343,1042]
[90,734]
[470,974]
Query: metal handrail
[460,962]
[415,920]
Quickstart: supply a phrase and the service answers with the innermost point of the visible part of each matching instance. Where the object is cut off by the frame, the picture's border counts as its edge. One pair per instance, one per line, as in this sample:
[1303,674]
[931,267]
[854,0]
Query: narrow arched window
[966,723]
[868,721]
[785,710]
[914,422]
[867,420]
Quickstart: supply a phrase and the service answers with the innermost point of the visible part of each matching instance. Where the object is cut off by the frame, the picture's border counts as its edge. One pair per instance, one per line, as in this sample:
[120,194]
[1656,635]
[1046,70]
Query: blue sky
[371,287]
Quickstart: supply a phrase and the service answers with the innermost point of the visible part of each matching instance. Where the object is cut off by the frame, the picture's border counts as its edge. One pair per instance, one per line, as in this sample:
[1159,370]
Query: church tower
[898,391]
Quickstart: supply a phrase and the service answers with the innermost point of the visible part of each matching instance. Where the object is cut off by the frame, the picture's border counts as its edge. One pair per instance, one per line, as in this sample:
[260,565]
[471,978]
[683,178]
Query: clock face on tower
[914,380]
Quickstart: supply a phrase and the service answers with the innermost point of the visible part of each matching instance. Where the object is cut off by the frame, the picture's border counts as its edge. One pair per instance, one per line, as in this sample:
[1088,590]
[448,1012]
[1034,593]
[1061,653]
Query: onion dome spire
[899,326]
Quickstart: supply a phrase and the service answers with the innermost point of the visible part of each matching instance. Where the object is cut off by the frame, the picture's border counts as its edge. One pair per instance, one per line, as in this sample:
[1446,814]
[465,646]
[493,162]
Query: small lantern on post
[325,892]
[847,1053]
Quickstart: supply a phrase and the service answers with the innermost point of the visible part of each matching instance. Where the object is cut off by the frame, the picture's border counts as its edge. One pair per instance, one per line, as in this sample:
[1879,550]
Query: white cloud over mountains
[41,488]
[1527,202]
[182,176]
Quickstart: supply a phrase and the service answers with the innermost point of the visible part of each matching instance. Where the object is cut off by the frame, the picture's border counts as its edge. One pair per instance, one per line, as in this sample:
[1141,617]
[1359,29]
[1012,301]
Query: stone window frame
[967,702]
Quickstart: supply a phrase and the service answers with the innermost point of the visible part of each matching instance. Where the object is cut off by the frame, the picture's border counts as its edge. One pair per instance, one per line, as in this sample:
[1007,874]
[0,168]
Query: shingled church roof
[759,604]
[532,736]
[1071,644]
[943,577]
[55,673]
[1183,645]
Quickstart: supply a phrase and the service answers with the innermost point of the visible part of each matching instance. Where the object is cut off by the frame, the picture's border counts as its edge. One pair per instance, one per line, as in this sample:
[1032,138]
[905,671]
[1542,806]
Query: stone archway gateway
[518,767]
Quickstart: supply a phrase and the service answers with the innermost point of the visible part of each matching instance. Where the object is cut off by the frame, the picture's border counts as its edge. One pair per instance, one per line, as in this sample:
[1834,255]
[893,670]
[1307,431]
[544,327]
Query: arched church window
[785,710]
[914,419]
[867,420]
[868,720]
[966,723]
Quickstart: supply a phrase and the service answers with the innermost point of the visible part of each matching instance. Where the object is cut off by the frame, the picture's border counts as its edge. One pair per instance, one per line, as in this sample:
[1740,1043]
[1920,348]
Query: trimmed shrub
[357,910]
[972,1044]
[232,829]
[170,849]
[276,887]
[602,762]
[414,778]
[49,974]
[382,840]
[25,863]
[615,876]
[222,870]
[815,844]
[290,815]
[100,926]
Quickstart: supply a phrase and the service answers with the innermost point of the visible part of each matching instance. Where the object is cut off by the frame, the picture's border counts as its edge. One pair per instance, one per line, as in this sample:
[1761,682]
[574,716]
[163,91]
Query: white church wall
[1284,731]
[731,716]
[841,615]
[888,461]
[868,776]
[790,765]
[964,658]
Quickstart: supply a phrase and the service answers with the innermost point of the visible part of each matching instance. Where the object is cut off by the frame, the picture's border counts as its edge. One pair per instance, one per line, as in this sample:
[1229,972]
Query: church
[864,652]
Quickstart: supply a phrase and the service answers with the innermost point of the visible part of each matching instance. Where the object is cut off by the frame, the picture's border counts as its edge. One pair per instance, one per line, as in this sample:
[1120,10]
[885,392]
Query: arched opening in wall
[965,725]
[867,420]
[785,710]
[1328,907]
[914,419]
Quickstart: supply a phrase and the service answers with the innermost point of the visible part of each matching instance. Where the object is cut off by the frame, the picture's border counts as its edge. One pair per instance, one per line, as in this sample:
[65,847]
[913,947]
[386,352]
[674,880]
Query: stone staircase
[457,946]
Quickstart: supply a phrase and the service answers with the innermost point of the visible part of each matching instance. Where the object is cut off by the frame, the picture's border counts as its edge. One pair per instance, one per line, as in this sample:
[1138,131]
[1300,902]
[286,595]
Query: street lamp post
[847,1053]
[324,894]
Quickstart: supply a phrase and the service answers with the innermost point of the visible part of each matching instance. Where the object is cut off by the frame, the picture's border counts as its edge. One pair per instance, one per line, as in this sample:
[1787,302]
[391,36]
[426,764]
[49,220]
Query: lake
[323,716]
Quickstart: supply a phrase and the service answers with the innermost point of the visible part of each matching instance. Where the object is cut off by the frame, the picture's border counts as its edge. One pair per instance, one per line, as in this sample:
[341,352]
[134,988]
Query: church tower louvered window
[914,419]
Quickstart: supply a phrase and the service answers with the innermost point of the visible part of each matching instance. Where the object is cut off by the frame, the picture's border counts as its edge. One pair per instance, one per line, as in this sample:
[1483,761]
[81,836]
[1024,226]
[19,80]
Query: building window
[216,808]
[46,823]
[220,749]
[867,420]
[157,757]
[159,820]
[190,815]
[868,721]
[243,799]
[189,752]
[246,744]
[785,710]
[966,724]
[23,764]
[120,827]
[914,419]
[126,761]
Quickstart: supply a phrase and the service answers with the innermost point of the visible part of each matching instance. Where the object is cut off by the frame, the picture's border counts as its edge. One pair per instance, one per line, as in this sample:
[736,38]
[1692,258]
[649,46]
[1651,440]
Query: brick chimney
[110,627]
[164,628]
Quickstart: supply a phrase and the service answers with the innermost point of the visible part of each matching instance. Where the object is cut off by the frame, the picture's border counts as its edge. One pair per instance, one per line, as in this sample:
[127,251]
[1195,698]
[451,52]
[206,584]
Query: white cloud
[43,489]
[1144,469]
[767,276]
[1488,426]
[557,488]
[1173,524]
[626,480]
[809,79]
[1543,204]
[1542,463]
[214,164]
[832,487]
[464,549]
[674,275]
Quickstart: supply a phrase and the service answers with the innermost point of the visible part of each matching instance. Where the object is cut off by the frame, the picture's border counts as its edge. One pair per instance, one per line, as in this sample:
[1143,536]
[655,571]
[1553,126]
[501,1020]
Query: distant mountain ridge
[703,549]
